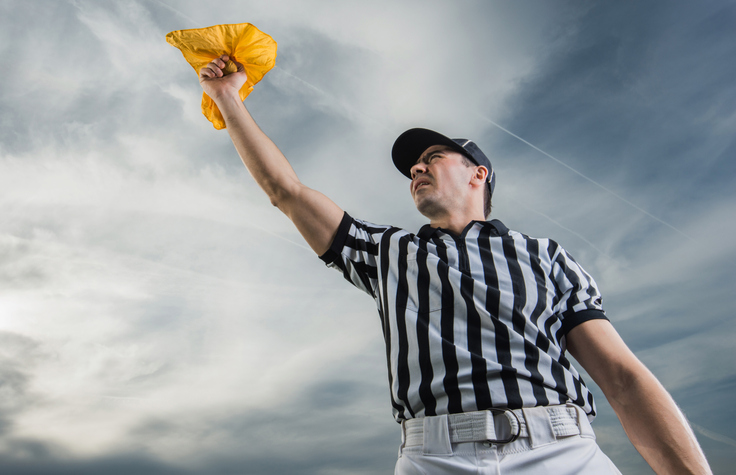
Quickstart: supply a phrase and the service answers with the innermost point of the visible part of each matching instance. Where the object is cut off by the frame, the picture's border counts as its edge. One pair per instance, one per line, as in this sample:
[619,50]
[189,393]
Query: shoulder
[368,230]
[359,235]
[551,247]
[368,226]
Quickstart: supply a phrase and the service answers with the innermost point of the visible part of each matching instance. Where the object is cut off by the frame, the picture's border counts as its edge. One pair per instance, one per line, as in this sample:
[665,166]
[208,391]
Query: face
[440,181]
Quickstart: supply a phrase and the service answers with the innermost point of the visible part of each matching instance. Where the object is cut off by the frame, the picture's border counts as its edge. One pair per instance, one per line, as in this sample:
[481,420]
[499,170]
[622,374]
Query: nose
[417,168]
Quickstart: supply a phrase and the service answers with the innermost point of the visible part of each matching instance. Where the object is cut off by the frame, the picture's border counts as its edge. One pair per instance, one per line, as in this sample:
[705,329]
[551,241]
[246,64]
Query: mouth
[420,184]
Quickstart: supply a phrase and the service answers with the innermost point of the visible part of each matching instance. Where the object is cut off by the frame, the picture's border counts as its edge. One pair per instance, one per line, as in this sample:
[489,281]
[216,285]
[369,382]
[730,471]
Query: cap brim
[411,144]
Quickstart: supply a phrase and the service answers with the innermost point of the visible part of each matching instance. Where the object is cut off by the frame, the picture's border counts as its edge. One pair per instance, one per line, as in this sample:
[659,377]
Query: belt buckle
[518,426]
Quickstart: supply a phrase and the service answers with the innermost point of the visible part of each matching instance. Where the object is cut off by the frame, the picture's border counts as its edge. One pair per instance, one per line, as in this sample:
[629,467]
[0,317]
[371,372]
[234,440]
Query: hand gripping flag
[243,42]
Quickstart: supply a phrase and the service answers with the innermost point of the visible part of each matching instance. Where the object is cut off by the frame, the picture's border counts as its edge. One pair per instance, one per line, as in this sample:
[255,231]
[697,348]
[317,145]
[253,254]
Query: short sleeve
[578,297]
[354,251]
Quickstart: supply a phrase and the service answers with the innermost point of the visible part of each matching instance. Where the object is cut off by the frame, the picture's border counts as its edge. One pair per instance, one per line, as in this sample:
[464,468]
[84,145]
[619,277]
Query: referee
[476,318]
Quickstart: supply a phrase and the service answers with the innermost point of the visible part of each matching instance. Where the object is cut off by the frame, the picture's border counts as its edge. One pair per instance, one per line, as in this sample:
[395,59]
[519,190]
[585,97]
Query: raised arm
[652,421]
[315,216]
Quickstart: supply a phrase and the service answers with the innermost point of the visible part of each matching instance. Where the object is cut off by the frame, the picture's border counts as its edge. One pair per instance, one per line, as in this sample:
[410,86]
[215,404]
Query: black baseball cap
[411,144]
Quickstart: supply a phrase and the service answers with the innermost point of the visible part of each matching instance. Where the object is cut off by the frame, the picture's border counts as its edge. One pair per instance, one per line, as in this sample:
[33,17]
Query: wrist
[223,97]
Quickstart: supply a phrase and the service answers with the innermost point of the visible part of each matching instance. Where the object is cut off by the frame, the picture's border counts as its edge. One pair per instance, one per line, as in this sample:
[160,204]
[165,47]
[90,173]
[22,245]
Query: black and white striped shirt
[471,322]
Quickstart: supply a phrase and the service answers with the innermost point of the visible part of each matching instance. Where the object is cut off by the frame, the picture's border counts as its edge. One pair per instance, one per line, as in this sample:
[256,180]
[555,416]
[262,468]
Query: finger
[219,62]
[207,73]
[215,68]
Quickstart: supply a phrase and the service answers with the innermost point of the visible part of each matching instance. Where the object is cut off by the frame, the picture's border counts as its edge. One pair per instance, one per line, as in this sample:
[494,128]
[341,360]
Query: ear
[480,175]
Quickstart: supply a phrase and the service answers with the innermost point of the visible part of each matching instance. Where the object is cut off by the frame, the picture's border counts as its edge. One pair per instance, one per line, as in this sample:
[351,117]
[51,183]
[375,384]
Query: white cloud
[152,295]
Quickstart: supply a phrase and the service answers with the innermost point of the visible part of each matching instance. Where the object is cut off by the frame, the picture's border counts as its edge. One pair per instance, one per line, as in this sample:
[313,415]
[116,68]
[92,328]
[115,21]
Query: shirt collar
[497,228]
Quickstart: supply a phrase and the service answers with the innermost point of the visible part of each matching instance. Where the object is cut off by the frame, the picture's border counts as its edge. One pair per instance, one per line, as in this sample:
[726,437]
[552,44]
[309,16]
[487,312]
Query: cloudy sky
[158,316]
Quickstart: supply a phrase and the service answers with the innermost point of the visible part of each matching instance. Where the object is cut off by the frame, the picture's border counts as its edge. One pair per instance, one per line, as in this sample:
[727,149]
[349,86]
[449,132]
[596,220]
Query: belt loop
[586,430]
[403,436]
[490,425]
[539,426]
[436,436]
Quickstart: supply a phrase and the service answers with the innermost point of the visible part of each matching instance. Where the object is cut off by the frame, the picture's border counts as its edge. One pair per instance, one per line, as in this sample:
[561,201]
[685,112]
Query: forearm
[657,427]
[316,217]
[647,412]
[265,162]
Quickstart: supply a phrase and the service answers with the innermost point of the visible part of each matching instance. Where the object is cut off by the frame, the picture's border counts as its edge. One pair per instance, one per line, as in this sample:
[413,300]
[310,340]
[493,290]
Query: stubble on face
[435,187]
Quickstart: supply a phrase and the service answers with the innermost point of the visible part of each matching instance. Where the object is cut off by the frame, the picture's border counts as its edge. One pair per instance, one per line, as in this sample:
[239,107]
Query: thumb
[232,66]
[239,66]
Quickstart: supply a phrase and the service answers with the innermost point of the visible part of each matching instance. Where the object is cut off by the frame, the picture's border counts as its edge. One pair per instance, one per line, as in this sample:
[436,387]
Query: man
[476,318]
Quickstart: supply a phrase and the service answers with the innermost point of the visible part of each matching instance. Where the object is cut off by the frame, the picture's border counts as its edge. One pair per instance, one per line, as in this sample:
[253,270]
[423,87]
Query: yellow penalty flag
[243,42]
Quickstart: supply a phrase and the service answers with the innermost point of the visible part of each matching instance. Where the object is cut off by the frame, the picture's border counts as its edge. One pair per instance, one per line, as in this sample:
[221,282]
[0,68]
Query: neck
[457,222]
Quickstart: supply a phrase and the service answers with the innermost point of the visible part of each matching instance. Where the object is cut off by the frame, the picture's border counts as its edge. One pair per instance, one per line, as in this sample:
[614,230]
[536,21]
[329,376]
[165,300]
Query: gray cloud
[647,96]
[17,360]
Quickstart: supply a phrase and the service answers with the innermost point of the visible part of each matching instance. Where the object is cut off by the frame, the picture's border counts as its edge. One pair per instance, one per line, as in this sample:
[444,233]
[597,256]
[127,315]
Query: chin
[428,208]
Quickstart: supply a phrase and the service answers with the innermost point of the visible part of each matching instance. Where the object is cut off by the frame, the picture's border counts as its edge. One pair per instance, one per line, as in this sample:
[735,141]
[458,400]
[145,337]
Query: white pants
[553,440]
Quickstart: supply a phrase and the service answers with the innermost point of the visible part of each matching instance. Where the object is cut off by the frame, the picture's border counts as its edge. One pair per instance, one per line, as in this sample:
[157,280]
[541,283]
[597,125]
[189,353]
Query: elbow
[626,383]
[275,199]
[282,196]
[619,386]
[278,200]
